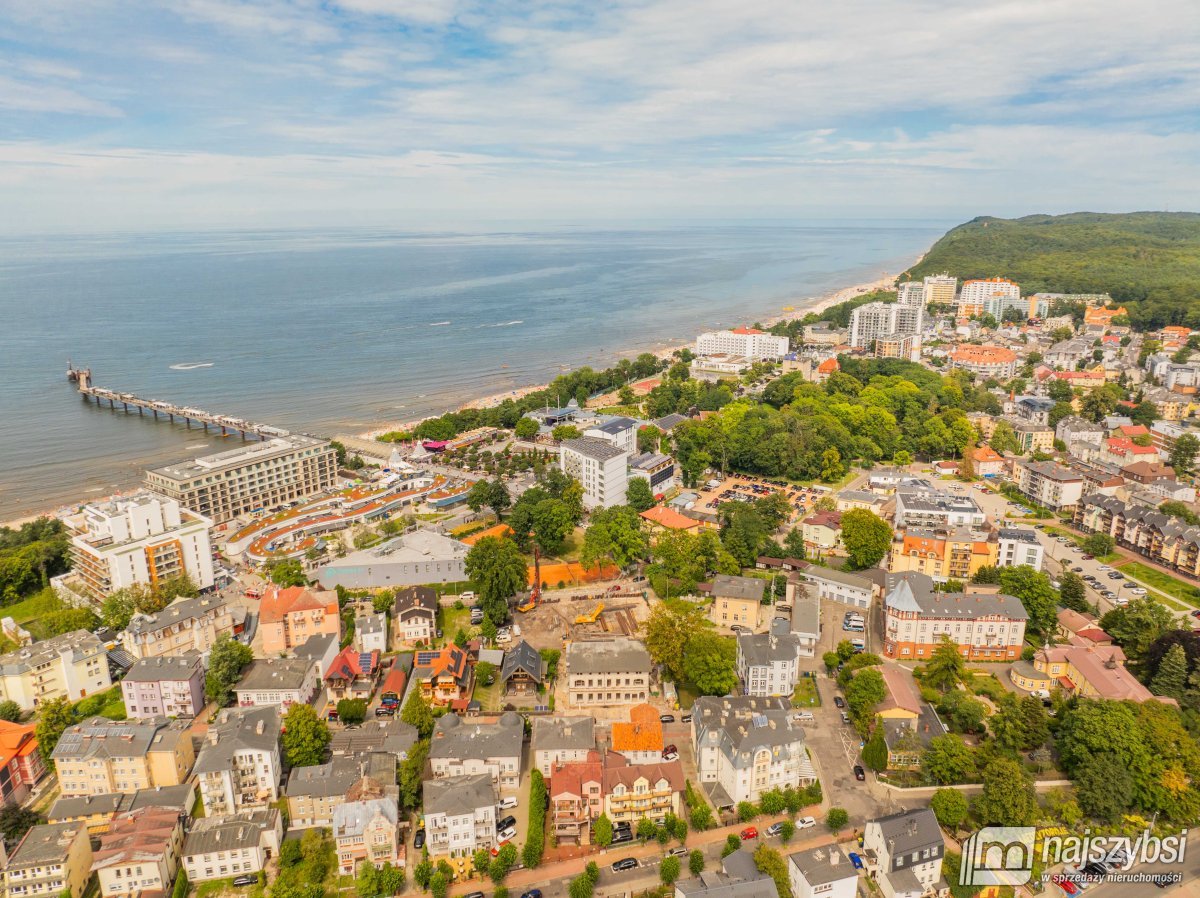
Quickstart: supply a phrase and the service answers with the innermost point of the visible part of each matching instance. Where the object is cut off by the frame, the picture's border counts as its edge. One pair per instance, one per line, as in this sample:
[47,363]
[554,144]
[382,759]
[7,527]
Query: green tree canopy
[304,737]
[866,536]
[498,570]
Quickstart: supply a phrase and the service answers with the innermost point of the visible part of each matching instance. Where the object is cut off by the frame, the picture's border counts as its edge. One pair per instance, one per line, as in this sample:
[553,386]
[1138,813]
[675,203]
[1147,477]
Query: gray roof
[84,805]
[904,882]
[456,739]
[618,654]
[371,623]
[719,885]
[806,616]
[668,423]
[315,647]
[822,865]
[44,844]
[78,644]
[738,587]
[912,591]
[415,601]
[614,426]
[594,448]
[523,657]
[181,797]
[855,581]
[1051,471]
[177,612]
[350,818]
[99,737]
[324,780]
[908,831]
[238,729]
[861,496]
[648,460]
[393,736]
[459,795]
[165,667]
[275,673]
[762,649]
[1018,534]
[741,725]
[563,733]
[234,831]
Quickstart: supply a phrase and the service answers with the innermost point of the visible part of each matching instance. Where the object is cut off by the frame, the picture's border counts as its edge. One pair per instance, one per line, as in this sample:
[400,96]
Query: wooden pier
[82,378]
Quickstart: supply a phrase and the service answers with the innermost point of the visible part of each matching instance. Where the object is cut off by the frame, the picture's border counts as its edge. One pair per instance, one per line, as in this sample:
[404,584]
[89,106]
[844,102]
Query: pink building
[289,617]
[165,686]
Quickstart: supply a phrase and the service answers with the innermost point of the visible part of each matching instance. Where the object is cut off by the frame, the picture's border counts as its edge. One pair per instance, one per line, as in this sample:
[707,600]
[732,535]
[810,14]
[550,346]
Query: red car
[1065,884]
[750,832]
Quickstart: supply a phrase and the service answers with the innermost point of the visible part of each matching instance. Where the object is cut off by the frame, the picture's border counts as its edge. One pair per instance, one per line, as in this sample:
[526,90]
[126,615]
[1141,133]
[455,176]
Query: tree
[787,829]
[950,808]
[667,631]
[287,572]
[498,570]
[117,609]
[439,885]
[526,429]
[771,862]
[1008,798]
[15,821]
[305,736]
[831,660]
[669,869]
[225,664]
[1137,625]
[1072,593]
[352,710]
[565,432]
[1036,594]
[614,534]
[506,859]
[948,760]
[696,862]
[1182,456]
[646,830]
[710,663]
[732,844]
[410,773]
[1104,787]
[832,468]
[489,494]
[866,536]
[53,718]
[602,831]
[836,819]
[875,753]
[417,713]
[946,668]
[1171,679]
[1003,439]
[638,494]
[1098,544]
[864,691]
[10,711]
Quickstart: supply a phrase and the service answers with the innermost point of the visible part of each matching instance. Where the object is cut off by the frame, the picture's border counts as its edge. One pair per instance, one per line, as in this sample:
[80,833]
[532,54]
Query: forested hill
[1149,261]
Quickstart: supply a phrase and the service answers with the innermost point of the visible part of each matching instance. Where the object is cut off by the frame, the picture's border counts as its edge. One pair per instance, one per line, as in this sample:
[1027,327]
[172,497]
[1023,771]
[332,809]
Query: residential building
[985,626]
[988,462]
[640,741]
[848,500]
[607,672]
[840,586]
[822,872]
[905,851]
[394,737]
[367,831]
[824,334]
[313,793]
[743,342]
[164,686]
[899,346]
[523,672]
[415,613]
[352,674]
[70,666]
[371,632]
[257,475]
[879,320]
[561,740]
[444,676]
[660,519]
[319,651]
[620,432]
[1073,429]
[50,859]
[769,663]
[289,616]
[822,531]
[1083,625]
[1068,353]
[599,466]
[943,554]
[1102,318]
[460,815]
[239,765]
[97,812]
[186,625]
[1033,409]
[940,289]
[1049,484]
[994,362]
[910,293]
[716,884]
[1163,539]
[410,559]
[21,764]
[233,845]
[634,791]
[1081,667]
[1019,546]
[805,624]
[100,755]
[975,295]
[1121,451]
[745,746]
[656,469]
[139,855]
[143,539]
[737,600]
[464,748]
[920,504]
[576,791]
[277,682]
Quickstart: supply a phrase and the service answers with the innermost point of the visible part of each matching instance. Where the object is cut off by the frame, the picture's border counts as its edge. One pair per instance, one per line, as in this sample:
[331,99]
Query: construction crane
[535,593]
[592,616]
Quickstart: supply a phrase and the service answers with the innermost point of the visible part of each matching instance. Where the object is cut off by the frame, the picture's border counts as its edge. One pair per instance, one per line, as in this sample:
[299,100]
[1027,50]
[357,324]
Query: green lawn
[213,887]
[453,620]
[1155,578]
[806,695]
[109,703]
[687,696]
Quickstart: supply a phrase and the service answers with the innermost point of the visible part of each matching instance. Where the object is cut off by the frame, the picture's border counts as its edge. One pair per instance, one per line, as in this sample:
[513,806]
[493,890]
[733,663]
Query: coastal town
[790,611]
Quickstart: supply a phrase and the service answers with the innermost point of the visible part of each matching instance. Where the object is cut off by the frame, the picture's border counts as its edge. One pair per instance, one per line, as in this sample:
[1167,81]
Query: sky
[134,114]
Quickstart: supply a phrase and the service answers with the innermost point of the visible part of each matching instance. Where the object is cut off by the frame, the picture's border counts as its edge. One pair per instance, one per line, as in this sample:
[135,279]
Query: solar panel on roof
[759,720]
[364,661]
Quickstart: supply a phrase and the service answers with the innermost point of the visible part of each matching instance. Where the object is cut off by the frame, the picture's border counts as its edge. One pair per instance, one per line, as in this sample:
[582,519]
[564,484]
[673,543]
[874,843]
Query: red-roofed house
[289,616]
[1121,451]
[822,531]
[19,756]
[1133,430]
[660,518]
[640,740]
[392,689]
[445,675]
[826,368]
[901,701]
[988,462]
[576,798]
[352,674]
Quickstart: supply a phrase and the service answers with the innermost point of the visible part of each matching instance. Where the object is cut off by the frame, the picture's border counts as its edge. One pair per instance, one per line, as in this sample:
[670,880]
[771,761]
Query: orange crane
[535,593]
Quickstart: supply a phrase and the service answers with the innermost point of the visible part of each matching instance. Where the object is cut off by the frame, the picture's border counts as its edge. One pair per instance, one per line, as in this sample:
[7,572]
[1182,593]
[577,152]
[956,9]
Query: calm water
[336,332]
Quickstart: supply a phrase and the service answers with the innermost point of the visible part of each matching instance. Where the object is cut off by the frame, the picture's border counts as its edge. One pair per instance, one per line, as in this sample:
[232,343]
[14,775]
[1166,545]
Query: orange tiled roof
[986,454]
[828,366]
[669,518]
[16,740]
[644,732]
[747,330]
[984,355]
[570,779]
[276,603]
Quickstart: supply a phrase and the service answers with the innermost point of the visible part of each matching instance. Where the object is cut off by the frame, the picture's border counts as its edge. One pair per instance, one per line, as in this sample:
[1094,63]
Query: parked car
[532,893]
[775,828]
[856,861]
[245,880]
[738,628]
[670,753]
[679,851]
[505,823]
[625,863]
[750,832]
[686,718]
[507,802]
[507,835]
[805,822]
[1063,883]
[386,711]
[859,773]
[803,715]
[839,702]
[666,718]
[474,895]
[620,836]
[419,839]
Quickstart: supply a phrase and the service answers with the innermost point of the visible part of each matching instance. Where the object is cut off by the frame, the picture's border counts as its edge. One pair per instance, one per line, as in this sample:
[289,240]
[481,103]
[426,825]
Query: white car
[1138,592]
[803,715]
[506,835]
[468,596]
[503,638]
[1105,568]
[805,822]
[506,803]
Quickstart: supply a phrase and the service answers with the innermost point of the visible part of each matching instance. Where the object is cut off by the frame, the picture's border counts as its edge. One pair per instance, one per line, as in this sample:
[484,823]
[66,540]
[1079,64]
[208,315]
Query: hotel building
[986,626]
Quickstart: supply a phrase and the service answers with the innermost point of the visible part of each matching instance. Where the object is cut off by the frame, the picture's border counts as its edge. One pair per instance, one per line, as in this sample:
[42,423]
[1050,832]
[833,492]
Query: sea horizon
[345,330]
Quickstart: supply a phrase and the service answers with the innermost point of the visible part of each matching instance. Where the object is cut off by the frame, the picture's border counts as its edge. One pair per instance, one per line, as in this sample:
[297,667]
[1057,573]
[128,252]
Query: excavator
[592,616]
[535,593]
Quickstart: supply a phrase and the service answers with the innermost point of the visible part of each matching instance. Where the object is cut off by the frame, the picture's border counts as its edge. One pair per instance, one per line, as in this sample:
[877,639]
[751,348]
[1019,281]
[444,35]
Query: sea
[343,331]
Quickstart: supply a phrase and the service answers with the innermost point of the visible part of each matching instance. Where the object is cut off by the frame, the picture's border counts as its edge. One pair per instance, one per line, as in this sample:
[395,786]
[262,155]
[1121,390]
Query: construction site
[549,619]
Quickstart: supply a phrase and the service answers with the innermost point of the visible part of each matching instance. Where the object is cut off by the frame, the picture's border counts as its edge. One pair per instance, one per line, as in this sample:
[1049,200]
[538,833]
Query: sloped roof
[278,602]
[523,658]
[352,665]
[643,732]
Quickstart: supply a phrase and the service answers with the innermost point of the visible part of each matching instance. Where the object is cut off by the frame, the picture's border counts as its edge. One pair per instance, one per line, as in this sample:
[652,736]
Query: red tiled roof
[570,779]
[278,602]
[644,732]
[351,664]
[669,518]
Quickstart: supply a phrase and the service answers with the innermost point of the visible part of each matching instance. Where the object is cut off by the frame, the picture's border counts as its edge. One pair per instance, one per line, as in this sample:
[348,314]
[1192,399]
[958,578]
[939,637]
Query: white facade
[370,633]
[72,665]
[1019,547]
[599,466]
[911,293]
[746,342]
[621,432]
[940,289]
[768,664]
[975,294]
[222,847]
[877,320]
[822,872]
[460,815]
[839,586]
[140,539]
[1049,484]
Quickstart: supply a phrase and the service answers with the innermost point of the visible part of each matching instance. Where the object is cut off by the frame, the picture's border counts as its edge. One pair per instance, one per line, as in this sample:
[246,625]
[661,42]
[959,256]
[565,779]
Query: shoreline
[803,307]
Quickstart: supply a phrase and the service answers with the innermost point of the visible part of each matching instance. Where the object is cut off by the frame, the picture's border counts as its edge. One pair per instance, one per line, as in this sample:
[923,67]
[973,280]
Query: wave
[503,324]
[188,366]
[438,323]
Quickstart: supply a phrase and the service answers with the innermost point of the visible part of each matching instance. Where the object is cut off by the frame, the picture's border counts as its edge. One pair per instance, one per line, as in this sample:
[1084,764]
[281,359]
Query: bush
[535,843]
[836,819]
[746,811]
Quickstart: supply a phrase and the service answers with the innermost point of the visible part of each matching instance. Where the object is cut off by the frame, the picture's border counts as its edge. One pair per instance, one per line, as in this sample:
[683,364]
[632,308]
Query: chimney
[834,857]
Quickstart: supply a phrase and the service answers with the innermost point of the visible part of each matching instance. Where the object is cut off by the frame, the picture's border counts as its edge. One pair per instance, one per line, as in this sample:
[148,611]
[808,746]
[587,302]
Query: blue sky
[129,114]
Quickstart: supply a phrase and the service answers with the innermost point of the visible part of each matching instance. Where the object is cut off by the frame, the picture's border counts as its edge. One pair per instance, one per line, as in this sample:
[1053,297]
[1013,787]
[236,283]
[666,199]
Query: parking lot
[747,489]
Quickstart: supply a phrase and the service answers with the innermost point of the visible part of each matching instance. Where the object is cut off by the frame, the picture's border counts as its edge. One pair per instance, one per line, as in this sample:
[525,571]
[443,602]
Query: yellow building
[102,756]
[51,859]
[943,554]
[645,790]
[736,600]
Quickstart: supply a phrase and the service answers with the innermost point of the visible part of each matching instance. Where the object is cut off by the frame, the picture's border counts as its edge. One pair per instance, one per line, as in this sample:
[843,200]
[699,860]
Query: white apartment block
[877,320]
[140,539]
[941,289]
[621,432]
[769,663]
[599,466]
[830,583]
[460,815]
[911,293]
[1019,546]
[975,294]
[561,740]
[822,872]
[239,765]
[464,748]
[906,849]
[72,665]
[744,342]
[1049,484]
[258,475]
[221,847]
